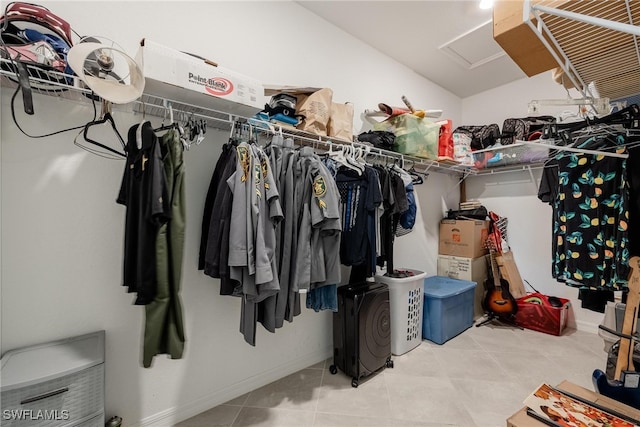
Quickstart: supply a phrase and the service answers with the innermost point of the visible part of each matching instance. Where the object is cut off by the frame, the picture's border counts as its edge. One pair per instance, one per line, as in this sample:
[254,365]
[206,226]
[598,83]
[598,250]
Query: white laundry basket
[406,306]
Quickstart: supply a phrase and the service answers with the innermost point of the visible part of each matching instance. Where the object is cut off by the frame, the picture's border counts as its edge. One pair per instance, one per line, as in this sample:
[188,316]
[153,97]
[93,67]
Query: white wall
[62,231]
[512,100]
[514,195]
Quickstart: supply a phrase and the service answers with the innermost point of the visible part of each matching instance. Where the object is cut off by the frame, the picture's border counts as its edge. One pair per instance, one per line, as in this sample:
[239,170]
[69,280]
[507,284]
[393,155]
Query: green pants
[164,326]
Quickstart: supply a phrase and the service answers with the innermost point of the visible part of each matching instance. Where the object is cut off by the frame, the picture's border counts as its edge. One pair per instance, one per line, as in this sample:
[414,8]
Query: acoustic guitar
[498,300]
[627,391]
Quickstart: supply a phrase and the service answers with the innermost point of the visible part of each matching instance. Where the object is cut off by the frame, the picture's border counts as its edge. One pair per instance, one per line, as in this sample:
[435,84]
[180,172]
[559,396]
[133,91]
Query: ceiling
[443,41]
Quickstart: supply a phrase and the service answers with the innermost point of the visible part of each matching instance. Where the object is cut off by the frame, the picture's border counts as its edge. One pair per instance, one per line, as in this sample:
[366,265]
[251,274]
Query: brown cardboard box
[521,419]
[509,272]
[518,40]
[472,269]
[463,238]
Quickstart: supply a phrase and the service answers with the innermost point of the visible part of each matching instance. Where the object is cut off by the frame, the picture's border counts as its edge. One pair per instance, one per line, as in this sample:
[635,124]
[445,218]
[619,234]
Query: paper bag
[316,109]
[341,121]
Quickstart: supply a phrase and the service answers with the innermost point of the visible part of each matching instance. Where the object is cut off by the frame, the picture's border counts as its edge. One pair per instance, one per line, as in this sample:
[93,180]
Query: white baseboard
[174,415]
[590,327]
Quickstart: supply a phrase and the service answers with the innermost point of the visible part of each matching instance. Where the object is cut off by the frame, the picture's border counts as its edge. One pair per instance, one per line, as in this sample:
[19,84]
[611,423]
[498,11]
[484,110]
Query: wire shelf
[596,41]
[45,82]
[70,88]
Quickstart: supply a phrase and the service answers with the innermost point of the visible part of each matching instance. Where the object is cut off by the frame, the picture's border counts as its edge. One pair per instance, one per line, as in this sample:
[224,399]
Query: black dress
[591,217]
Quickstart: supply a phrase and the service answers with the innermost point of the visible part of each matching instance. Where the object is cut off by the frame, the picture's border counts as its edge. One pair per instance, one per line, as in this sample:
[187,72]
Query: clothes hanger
[184,131]
[339,157]
[415,175]
[627,117]
[193,130]
[253,136]
[172,125]
[568,116]
[603,138]
[350,156]
[232,133]
[359,155]
[200,131]
[106,117]
[398,166]
[242,131]
[277,139]
[287,142]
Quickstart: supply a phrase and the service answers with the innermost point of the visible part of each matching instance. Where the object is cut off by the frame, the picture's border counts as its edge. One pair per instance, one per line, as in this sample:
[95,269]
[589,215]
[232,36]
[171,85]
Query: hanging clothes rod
[157,106]
[601,105]
[330,145]
[540,142]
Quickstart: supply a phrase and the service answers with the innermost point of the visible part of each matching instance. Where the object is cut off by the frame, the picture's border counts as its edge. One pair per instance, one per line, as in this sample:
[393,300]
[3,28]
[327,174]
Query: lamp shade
[117,90]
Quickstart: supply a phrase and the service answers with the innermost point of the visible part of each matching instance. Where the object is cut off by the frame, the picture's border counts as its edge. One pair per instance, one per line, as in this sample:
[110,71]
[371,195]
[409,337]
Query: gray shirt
[326,227]
[269,214]
[241,250]
[319,226]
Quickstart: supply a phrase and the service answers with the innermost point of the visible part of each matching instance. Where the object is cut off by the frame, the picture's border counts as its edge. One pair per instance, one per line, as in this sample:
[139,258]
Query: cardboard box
[463,238]
[518,40]
[271,90]
[168,72]
[509,272]
[470,269]
[521,419]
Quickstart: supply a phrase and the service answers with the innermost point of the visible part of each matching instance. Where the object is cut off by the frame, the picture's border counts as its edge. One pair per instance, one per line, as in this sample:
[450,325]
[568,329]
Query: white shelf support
[592,42]
[593,20]
[543,32]
[602,106]
[635,37]
[541,143]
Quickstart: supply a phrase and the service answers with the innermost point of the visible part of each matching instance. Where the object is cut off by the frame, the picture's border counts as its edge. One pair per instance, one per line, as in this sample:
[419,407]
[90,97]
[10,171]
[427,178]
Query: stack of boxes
[462,254]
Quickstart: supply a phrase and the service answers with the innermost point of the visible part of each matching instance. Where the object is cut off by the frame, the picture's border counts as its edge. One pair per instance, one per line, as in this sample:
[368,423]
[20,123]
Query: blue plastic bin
[448,308]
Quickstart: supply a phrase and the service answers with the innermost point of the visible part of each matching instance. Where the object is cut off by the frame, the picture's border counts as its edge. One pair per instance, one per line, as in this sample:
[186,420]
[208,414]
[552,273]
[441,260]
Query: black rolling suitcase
[362,330]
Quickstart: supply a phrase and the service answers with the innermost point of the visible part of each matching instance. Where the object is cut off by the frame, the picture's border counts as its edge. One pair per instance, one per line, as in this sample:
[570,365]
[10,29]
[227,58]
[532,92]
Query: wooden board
[625,351]
[509,270]
[518,40]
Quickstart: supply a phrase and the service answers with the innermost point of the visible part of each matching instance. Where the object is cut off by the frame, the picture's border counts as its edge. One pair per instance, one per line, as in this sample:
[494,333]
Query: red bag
[445,140]
[536,312]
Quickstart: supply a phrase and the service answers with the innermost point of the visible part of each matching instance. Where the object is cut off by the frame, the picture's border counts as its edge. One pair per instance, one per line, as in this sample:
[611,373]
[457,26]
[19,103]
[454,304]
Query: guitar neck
[629,324]
[494,269]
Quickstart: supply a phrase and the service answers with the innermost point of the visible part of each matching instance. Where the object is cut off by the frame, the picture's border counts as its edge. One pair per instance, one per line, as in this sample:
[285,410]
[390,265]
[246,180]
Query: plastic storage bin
[448,307]
[613,319]
[511,154]
[405,305]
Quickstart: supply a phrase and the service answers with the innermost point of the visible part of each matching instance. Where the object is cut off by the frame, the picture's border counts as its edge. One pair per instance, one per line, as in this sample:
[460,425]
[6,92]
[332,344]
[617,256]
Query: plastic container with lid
[448,308]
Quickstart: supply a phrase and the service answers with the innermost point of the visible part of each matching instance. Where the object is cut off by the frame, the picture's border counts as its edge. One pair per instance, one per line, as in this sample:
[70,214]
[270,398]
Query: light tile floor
[477,379]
